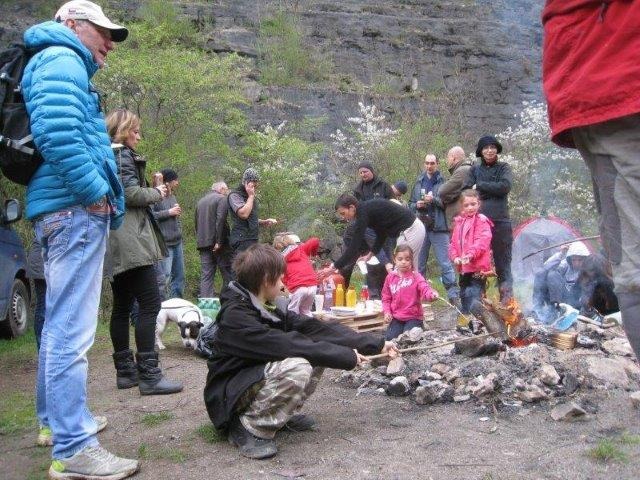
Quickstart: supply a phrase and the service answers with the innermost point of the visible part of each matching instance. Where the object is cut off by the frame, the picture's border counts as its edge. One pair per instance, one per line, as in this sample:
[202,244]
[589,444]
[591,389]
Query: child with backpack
[470,249]
[299,277]
[266,361]
[403,290]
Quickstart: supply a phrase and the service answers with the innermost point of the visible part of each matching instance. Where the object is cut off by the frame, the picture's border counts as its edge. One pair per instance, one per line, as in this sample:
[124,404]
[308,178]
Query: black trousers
[501,242]
[136,284]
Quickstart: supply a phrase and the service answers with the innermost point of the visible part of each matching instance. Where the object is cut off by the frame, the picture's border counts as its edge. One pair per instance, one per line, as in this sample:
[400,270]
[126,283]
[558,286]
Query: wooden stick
[560,244]
[431,347]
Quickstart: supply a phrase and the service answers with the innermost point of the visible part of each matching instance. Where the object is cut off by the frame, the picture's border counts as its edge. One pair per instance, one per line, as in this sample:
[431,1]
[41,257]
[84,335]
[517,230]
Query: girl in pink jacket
[403,290]
[470,249]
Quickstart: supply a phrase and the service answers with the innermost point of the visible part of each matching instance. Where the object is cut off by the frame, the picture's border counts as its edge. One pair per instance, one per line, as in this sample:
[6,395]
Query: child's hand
[457,261]
[435,296]
[391,349]
[464,260]
[388,317]
[360,359]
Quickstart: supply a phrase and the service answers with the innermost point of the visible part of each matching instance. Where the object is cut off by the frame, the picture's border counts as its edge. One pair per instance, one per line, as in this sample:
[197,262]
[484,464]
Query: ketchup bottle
[364,293]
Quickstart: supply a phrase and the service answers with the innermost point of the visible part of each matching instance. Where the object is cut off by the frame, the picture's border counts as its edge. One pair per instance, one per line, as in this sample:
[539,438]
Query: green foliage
[288,169]
[607,451]
[284,59]
[18,351]
[155,419]
[209,434]
[402,158]
[174,455]
[17,412]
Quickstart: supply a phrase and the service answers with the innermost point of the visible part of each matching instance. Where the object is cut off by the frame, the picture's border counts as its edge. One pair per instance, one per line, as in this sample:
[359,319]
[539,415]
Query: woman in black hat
[492,179]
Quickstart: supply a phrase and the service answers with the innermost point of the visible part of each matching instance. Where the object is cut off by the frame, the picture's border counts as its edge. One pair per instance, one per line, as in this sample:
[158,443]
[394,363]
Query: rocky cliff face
[475,60]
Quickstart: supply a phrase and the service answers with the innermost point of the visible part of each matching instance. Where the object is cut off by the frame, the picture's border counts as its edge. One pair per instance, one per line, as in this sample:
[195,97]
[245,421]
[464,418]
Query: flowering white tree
[548,180]
[367,135]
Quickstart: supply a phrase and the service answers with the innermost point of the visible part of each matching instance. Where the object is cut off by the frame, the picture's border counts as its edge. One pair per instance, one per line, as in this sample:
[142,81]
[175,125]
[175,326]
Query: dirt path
[366,437]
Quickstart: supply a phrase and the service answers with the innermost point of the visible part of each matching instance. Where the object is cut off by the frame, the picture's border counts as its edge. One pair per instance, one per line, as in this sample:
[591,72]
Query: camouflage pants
[269,404]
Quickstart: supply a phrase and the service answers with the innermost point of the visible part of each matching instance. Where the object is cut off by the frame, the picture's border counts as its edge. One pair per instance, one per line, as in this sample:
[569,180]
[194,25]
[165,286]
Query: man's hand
[250,187]
[365,258]
[360,359]
[175,211]
[162,188]
[215,248]
[389,267]
[391,349]
[325,272]
[420,204]
[270,222]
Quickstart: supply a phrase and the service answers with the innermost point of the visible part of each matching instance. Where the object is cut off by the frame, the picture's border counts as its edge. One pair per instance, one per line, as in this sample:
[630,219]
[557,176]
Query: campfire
[506,320]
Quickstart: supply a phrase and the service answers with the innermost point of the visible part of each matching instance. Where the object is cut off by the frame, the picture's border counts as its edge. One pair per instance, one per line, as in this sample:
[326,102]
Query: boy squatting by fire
[266,361]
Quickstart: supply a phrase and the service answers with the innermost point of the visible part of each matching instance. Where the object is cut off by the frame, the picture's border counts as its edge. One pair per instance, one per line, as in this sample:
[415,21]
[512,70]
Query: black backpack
[19,158]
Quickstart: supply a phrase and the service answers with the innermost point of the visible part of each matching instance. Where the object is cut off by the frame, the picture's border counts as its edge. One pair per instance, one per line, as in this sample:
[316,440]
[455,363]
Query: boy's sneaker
[249,445]
[300,423]
[93,463]
[45,437]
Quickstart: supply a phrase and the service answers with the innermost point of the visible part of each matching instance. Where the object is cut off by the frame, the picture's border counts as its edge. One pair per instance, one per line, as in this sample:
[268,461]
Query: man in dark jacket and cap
[370,185]
[492,179]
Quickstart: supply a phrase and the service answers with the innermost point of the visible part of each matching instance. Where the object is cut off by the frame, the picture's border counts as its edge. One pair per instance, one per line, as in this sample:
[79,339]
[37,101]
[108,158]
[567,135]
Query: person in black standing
[243,210]
[492,179]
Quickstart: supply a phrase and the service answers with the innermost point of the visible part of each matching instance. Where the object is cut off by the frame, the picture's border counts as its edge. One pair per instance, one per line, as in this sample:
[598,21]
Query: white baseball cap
[82,10]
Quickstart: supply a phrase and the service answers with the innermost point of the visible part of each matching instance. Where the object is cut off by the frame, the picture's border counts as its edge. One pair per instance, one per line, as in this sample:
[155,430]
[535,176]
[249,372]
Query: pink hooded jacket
[402,294]
[472,237]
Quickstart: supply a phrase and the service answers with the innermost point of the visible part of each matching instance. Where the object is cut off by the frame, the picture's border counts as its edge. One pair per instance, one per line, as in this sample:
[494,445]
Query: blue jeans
[173,269]
[40,288]
[471,290]
[396,327]
[440,243]
[73,246]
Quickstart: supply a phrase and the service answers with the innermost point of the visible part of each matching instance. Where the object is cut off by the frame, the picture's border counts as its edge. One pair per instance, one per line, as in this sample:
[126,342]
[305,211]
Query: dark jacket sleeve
[388,192]
[357,239]
[221,219]
[134,194]
[243,336]
[471,178]
[499,187]
[335,333]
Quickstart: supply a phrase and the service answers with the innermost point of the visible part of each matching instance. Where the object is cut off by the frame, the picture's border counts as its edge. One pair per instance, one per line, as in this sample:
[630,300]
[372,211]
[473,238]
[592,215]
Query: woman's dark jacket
[249,336]
[493,183]
[138,242]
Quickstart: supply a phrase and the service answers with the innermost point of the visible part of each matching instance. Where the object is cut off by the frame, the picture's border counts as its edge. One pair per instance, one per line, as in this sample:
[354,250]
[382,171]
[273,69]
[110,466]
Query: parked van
[14,286]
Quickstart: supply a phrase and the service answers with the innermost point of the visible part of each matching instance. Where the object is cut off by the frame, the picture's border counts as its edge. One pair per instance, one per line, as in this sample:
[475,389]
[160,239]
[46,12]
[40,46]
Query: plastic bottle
[339,296]
[364,293]
[328,296]
[351,297]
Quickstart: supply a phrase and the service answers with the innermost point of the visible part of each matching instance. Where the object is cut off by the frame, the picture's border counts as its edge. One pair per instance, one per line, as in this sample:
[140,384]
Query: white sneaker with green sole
[45,437]
[93,463]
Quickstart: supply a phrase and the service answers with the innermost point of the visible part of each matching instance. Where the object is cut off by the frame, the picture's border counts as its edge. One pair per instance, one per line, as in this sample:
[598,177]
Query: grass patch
[607,451]
[629,439]
[209,434]
[155,419]
[17,413]
[174,455]
[18,351]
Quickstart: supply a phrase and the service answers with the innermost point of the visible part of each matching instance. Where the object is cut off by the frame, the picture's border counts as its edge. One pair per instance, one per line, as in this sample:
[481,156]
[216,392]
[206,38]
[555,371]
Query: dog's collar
[191,309]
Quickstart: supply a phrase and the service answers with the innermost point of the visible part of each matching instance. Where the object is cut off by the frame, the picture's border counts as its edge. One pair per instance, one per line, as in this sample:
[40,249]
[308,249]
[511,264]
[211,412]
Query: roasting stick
[453,306]
[431,347]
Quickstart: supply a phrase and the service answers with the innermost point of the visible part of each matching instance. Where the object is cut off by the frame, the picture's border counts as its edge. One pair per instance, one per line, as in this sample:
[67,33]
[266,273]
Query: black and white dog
[185,314]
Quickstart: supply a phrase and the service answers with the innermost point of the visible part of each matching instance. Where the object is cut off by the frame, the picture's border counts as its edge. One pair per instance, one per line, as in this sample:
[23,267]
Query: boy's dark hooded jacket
[249,336]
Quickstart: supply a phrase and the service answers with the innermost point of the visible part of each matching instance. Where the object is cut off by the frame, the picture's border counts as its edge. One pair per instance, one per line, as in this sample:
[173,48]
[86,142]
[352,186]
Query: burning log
[505,320]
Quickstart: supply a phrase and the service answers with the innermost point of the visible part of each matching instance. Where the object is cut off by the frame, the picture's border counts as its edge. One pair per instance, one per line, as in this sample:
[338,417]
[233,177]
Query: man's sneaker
[300,423]
[93,463]
[45,437]
[249,445]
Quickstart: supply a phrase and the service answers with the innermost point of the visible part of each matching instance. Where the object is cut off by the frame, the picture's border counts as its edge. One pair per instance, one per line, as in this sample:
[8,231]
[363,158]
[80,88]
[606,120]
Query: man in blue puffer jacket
[73,199]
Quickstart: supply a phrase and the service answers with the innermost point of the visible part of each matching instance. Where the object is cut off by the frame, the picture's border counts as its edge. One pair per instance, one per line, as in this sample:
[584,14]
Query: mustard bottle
[352,297]
[339,296]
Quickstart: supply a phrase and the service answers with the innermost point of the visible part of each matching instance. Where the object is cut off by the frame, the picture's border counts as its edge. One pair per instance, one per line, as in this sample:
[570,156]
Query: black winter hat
[401,186]
[487,140]
[367,165]
[168,175]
